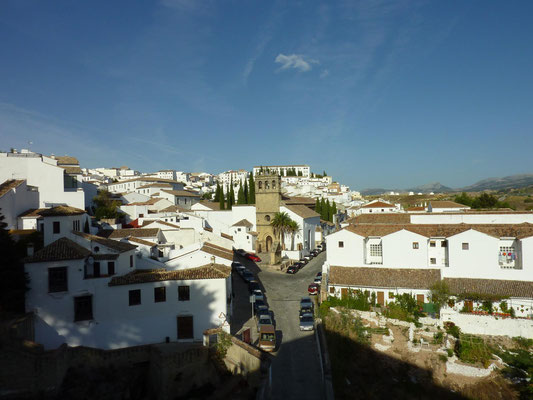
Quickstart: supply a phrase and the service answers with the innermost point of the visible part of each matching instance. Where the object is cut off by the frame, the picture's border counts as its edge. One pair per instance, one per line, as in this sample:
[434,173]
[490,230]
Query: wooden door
[381,298]
[344,293]
[185,327]
[246,337]
[420,298]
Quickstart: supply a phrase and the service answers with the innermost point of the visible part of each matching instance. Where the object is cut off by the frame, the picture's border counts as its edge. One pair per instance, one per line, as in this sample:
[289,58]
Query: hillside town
[116,259]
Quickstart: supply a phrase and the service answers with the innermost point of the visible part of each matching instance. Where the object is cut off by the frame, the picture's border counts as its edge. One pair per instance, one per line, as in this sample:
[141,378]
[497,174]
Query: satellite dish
[90,260]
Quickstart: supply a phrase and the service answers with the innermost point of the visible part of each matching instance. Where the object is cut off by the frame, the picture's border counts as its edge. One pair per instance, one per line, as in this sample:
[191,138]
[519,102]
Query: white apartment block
[391,259]
[16,198]
[305,170]
[130,185]
[225,178]
[57,179]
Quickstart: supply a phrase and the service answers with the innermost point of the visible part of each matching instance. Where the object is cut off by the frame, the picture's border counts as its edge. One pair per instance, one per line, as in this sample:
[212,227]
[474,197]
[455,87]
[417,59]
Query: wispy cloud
[295,61]
[324,73]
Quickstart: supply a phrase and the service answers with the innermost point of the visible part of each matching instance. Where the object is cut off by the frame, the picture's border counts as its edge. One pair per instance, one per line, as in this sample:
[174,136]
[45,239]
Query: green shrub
[450,352]
[523,342]
[443,357]
[452,329]
[472,349]
[438,338]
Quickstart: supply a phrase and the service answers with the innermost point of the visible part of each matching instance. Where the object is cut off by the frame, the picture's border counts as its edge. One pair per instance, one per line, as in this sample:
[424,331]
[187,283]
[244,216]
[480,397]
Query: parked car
[308,257]
[236,264]
[253,285]
[264,319]
[304,261]
[240,252]
[247,276]
[306,302]
[299,265]
[267,338]
[258,294]
[240,269]
[307,322]
[318,280]
[252,257]
[260,305]
[319,274]
[313,288]
[319,247]
[292,269]
[264,311]
[315,253]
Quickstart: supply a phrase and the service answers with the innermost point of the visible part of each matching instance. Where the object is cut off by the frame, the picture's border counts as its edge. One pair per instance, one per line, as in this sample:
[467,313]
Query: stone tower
[267,203]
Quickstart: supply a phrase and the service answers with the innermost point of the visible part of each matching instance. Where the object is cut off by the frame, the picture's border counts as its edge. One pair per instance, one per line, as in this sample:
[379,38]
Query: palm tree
[281,223]
[292,229]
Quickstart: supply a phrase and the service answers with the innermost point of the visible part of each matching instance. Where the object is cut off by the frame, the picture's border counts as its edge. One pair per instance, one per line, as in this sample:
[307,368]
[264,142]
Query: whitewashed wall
[352,254]
[489,325]
[460,218]
[17,201]
[398,250]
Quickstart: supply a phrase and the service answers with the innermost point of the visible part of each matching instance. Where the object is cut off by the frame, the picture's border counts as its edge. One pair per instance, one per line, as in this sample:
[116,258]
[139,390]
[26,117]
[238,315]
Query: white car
[258,294]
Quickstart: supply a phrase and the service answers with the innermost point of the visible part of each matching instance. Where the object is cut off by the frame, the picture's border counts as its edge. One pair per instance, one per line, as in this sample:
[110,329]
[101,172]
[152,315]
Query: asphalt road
[296,370]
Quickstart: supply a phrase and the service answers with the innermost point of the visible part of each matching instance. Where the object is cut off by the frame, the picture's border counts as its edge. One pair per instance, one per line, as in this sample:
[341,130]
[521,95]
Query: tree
[293,228]
[86,226]
[328,211]
[106,206]
[231,196]
[207,195]
[440,293]
[317,205]
[13,280]
[281,224]
[463,198]
[324,173]
[221,199]
[333,210]
[246,194]
[323,210]
[251,185]
[240,195]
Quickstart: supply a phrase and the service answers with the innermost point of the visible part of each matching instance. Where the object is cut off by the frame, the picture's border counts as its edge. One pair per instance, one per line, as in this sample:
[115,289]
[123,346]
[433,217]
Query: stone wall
[489,325]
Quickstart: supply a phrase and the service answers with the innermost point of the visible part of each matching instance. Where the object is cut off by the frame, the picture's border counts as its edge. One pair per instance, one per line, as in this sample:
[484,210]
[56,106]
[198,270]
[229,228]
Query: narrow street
[296,372]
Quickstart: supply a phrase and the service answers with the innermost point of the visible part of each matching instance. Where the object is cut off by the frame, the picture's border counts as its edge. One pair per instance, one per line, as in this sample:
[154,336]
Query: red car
[313,288]
[252,257]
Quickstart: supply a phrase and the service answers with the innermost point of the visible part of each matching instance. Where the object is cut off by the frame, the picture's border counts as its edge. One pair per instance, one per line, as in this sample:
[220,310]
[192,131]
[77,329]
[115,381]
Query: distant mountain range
[508,182]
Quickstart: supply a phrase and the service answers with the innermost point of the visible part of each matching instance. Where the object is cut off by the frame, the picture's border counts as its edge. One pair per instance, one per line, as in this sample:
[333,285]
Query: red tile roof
[378,204]
[495,287]
[62,249]
[10,184]
[61,211]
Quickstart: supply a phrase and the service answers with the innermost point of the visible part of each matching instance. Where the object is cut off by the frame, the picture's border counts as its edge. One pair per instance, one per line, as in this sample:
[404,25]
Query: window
[110,268]
[238,229]
[57,279]
[332,289]
[76,225]
[267,218]
[184,293]
[433,261]
[432,243]
[444,243]
[465,246]
[135,297]
[160,294]
[56,227]
[83,308]
[341,244]
[376,250]
[131,261]
[391,295]
[507,257]
[415,245]
[267,186]
[273,184]
[260,185]
[96,269]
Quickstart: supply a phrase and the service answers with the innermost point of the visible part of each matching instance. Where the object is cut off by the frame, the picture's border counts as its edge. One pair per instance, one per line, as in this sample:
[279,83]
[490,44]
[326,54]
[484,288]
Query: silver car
[307,322]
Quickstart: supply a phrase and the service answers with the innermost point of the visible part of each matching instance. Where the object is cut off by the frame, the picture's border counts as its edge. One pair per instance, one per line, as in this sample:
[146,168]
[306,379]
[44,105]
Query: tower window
[260,185]
[267,186]
[273,184]
[267,218]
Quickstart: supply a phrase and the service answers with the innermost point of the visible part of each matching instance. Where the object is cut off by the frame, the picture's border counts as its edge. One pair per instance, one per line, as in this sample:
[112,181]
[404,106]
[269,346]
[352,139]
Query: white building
[446,206]
[86,290]
[243,236]
[130,185]
[378,206]
[225,178]
[483,258]
[16,198]
[56,179]
[304,170]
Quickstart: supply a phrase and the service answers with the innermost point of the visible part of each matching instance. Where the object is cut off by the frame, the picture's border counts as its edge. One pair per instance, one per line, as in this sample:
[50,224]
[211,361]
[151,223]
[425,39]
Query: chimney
[30,250]
[212,259]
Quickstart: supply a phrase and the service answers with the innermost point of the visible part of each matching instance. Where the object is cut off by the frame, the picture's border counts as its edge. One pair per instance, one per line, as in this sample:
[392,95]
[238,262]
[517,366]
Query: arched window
[267,218]
[273,184]
[267,186]
[260,185]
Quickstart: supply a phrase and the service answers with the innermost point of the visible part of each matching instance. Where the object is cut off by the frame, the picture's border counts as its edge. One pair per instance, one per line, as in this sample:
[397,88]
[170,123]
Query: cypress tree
[231,196]
[217,193]
[246,194]
[317,205]
[251,185]
[221,199]
[333,210]
[323,210]
[328,210]
[240,195]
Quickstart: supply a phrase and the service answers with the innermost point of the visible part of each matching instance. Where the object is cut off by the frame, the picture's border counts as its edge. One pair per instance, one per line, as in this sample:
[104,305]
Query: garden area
[392,352]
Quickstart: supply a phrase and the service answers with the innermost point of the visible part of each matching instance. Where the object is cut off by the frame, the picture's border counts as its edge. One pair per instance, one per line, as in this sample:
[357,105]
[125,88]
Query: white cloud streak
[294,61]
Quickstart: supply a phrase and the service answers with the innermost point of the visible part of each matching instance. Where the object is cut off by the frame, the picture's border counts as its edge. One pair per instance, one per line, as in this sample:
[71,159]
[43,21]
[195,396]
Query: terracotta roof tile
[136,232]
[158,185]
[66,160]
[496,287]
[32,213]
[210,204]
[244,222]
[384,277]
[302,211]
[121,247]
[226,236]
[61,211]
[10,184]
[446,204]
[140,241]
[217,251]
[209,271]
[71,170]
[181,193]
[61,249]
[174,209]
[379,204]
[385,218]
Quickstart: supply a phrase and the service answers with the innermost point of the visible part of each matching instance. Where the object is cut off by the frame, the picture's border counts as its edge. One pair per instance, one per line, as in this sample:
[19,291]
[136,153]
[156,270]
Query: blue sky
[377,93]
